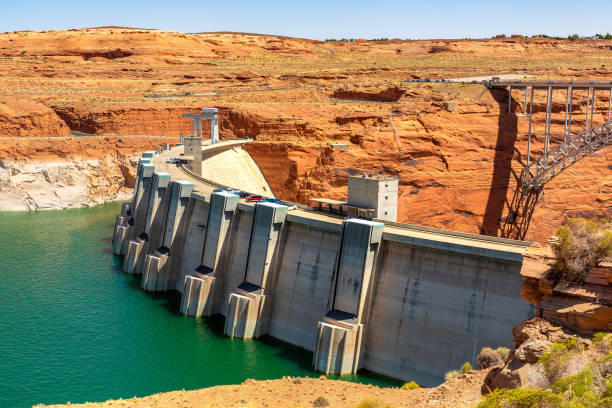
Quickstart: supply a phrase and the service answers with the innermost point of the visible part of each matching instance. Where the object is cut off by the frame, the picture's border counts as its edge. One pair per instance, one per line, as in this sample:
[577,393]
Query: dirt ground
[461,392]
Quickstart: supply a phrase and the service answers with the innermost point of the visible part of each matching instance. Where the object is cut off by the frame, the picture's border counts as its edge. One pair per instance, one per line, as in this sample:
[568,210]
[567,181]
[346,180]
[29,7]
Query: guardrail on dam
[402,301]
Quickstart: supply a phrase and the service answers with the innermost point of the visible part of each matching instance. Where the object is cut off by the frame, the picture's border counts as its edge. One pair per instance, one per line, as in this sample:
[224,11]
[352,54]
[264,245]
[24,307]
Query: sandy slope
[462,392]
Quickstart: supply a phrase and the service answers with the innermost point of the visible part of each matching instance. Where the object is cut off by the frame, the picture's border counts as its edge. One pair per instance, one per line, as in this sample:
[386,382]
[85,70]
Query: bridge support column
[199,285]
[134,260]
[246,314]
[156,270]
[340,333]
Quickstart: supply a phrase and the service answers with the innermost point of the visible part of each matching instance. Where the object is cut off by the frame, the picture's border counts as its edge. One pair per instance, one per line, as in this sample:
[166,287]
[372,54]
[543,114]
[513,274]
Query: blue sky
[319,19]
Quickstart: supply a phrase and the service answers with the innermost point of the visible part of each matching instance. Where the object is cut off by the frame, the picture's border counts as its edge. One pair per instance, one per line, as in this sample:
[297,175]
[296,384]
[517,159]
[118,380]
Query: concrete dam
[400,300]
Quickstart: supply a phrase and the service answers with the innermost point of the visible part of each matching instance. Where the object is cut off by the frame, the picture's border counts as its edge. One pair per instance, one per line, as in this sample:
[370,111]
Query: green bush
[466,367]
[410,386]
[598,337]
[590,387]
[608,391]
[370,404]
[521,398]
[503,352]
[581,245]
[575,386]
[571,343]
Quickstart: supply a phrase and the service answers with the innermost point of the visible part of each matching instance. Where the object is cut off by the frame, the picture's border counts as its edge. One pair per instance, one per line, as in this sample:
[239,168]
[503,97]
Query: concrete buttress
[199,285]
[137,222]
[340,333]
[123,227]
[157,266]
[154,219]
[246,313]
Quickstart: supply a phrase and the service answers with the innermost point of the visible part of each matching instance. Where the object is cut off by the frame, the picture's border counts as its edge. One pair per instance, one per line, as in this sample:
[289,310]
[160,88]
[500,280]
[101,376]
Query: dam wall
[403,301]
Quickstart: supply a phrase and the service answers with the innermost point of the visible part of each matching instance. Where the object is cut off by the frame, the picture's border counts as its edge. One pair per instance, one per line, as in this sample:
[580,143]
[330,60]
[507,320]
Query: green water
[74,328]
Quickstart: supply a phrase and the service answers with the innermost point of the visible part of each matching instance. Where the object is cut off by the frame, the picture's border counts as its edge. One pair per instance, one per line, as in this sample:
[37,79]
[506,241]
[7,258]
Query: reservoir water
[74,328]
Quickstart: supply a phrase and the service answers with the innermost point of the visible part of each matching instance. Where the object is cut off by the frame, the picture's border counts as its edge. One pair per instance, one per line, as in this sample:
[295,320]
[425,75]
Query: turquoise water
[74,328]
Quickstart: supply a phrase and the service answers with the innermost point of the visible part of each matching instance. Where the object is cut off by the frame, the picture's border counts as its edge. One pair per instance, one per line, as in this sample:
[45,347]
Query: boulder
[531,350]
[508,376]
[540,329]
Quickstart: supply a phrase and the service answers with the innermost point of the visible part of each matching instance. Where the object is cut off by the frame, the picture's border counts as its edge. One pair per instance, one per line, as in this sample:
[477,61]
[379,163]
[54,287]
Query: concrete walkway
[232,163]
[224,164]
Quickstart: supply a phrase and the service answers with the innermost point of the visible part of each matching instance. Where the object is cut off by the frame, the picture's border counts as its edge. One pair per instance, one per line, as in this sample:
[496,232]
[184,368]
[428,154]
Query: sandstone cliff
[585,308]
[29,118]
[453,146]
[64,184]
[56,173]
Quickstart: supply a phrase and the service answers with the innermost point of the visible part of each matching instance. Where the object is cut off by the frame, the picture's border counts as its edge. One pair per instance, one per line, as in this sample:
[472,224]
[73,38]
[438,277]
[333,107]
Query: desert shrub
[581,245]
[575,386]
[439,48]
[554,361]
[370,404]
[571,343]
[521,398]
[410,386]
[452,374]
[608,391]
[489,357]
[320,402]
[579,378]
[578,391]
[503,352]
[466,367]
[598,337]
[602,342]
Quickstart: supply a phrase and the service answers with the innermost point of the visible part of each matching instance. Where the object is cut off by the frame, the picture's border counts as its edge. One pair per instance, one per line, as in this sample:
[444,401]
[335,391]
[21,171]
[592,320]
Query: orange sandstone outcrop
[454,148]
[585,307]
[68,172]
[28,118]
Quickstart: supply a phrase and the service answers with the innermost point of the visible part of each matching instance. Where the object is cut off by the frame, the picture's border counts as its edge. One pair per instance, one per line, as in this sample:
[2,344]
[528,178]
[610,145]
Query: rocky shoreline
[64,184]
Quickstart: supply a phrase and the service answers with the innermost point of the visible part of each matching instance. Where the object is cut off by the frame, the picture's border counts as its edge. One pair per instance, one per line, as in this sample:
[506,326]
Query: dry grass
[582,245]
[489,357]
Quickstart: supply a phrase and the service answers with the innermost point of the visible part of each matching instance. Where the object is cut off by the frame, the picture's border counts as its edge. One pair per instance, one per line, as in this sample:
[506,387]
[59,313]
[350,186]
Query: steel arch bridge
[538,171]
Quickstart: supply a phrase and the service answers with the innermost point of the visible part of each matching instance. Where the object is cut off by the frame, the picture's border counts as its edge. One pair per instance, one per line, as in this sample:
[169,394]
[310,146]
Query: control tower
[373,192]
[193,144]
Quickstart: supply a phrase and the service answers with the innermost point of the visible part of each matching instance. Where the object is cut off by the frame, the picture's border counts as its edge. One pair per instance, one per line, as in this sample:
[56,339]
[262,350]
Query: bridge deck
[552,84]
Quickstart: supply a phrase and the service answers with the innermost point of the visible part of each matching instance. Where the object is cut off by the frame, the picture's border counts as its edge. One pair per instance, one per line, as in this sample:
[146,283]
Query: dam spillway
[398,300]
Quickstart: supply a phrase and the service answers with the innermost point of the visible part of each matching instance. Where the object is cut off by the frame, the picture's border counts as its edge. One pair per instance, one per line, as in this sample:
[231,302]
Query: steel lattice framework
[553,161]
[562,156]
